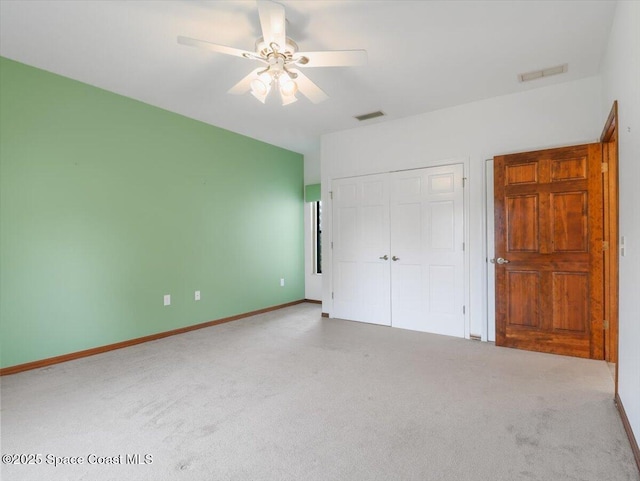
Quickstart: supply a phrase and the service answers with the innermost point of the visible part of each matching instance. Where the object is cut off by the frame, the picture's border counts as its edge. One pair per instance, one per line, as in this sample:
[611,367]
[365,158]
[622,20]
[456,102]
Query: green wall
[107,204]
[312,193]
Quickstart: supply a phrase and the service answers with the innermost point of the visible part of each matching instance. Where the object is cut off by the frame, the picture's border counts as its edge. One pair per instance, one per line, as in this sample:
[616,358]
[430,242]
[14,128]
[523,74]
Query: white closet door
[361,239]
[427,220]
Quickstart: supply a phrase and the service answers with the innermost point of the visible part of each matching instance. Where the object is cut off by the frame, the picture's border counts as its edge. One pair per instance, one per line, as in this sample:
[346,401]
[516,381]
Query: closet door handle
[394,258]
[384,257]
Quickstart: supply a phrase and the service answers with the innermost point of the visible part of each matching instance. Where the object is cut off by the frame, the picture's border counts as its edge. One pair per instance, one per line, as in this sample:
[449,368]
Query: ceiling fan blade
[245,84]
[272,21]
[307,88]
[337,58]
[214,47]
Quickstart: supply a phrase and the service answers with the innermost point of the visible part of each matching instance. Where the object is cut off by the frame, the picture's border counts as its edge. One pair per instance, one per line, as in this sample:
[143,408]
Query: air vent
[547,72]
[368,116]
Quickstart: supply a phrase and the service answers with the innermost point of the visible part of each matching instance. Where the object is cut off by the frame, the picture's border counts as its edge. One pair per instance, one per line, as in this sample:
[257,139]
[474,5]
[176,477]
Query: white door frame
[489,326]
[327,254]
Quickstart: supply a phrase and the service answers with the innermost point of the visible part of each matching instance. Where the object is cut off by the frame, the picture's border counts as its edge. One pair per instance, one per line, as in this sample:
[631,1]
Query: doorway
[609,238]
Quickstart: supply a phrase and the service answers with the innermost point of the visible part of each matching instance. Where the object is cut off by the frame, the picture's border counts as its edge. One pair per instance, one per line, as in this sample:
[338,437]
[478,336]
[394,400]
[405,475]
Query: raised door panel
[408,302]
[521,174]
[374,292]
[407,219]
[442,228]
[345,283]
[523,226]
[569,222]
[568,169]
[373,217]
[570,293]
[346,232]
[443,183]
[523,295]
[372,226]
[442,284]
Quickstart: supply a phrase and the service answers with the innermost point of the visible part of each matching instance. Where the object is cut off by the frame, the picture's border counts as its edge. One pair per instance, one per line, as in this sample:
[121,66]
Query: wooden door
[548,232]
[361,255]
[427,263]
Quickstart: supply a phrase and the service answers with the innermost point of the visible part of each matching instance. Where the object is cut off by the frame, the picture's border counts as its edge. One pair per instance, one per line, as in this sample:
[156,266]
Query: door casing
[609,140]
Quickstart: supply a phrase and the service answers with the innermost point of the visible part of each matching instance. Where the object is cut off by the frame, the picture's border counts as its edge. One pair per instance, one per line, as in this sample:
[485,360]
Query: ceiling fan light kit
[281,60]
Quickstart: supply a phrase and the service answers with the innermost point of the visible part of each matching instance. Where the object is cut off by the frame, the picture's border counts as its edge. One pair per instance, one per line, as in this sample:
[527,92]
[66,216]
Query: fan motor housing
[289,49]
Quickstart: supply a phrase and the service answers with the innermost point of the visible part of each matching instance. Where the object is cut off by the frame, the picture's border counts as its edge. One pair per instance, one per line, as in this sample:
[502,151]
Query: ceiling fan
[281,60]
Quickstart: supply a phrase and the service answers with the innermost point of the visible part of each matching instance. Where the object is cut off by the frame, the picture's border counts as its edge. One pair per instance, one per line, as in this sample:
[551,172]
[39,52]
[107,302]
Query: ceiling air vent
[547,72]
[371,115]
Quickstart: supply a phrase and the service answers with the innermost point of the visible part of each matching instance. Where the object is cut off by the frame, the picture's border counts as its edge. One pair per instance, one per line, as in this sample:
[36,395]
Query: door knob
[384,257]
[394,258]
[501,260]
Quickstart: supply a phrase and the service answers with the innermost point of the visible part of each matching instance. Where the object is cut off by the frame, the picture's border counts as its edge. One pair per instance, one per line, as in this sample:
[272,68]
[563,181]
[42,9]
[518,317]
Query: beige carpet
[291,396]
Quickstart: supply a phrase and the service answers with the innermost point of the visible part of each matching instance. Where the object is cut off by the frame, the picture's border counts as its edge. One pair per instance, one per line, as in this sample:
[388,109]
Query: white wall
[312,282]
[621,81]
[312,169]
[562,114]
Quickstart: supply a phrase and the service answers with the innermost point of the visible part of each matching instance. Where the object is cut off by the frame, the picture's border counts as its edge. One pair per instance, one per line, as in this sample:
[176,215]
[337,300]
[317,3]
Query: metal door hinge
[463,246]
[464,181]
[332,244]
[605,245]
[605,324]
[464,309]
[332,295]
[331,194]
[605,167]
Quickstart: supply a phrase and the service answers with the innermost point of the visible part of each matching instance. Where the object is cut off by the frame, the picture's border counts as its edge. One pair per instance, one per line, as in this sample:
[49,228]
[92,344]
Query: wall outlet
[167,299]
[282,282]
[196,296]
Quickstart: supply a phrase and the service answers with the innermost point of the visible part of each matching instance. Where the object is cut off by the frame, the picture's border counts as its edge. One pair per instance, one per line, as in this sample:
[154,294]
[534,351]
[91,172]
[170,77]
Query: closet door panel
[361,277]
[426,238]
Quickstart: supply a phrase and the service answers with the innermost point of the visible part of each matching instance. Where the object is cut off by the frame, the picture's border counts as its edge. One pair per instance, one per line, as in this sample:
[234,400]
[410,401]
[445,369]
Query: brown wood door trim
[609,139]
[611,124]
[596,248]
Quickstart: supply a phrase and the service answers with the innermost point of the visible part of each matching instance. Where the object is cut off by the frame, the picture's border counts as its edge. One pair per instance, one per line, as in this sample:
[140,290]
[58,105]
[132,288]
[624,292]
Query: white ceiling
[423,55]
